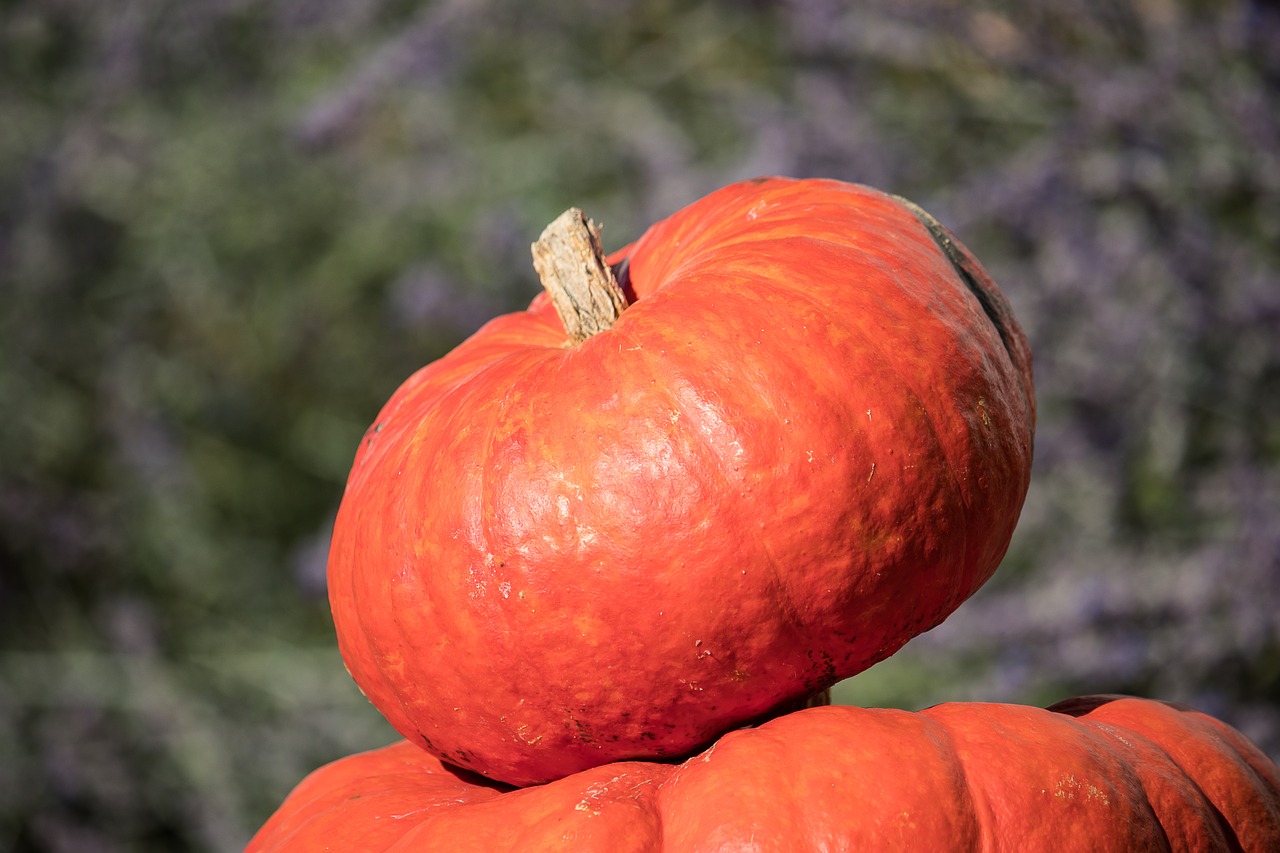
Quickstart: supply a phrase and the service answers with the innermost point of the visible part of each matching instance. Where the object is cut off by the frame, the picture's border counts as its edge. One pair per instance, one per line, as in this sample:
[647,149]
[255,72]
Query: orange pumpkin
[806,440]
[1097,774]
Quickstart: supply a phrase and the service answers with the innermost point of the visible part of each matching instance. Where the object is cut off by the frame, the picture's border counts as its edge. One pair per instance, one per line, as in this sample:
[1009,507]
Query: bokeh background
[228,230]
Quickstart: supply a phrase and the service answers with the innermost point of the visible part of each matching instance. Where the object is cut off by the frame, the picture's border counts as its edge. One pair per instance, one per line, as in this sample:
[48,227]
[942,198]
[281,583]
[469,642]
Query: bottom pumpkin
[1096,773]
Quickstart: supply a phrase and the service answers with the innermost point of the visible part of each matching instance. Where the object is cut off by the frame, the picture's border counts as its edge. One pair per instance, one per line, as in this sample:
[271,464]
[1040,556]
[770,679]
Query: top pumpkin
[807,440]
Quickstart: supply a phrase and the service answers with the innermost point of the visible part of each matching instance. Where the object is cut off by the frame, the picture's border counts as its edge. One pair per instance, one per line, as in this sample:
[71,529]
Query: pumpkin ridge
[716,225]
[1129,740]
[791,611]
[677,274]
[1194,729]
[440,411]
[689,267]
[1153,721]
[978,799]
[464,383]
[801,294]
[930,419]
[488,500]
[366,658]
[553,363]
[825,309]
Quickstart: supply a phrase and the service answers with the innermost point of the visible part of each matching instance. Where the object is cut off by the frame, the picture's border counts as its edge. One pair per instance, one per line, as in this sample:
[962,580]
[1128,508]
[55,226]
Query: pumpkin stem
[571,265]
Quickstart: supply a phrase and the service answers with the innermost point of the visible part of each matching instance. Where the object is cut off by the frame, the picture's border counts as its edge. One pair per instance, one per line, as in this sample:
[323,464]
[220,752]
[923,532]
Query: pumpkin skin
[807,440]
[1095,774]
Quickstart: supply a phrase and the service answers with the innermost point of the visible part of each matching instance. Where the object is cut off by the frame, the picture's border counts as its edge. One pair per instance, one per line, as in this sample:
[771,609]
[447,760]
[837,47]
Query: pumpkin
[802,436]
[1095,774]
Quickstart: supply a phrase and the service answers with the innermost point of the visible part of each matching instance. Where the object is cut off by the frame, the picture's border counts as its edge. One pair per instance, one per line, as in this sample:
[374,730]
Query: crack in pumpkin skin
[539,532]
[1109,774]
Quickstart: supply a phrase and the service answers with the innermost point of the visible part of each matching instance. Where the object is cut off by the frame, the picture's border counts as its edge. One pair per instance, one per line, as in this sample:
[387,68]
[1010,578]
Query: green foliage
[229,230]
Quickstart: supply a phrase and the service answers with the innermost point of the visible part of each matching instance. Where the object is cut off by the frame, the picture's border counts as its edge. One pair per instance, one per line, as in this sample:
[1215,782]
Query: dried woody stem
[571,265]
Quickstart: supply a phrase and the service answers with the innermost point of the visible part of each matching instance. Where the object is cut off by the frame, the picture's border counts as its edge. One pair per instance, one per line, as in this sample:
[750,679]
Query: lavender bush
[228,230]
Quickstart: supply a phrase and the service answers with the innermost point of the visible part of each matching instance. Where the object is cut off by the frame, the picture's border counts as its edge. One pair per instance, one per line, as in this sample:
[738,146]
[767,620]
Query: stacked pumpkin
[594,564]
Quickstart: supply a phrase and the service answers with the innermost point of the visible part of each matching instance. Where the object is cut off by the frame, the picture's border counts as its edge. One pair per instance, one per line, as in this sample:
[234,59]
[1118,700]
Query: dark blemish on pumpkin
[758,181]
[372,431]
[581,732]
[826,673]
[964,268]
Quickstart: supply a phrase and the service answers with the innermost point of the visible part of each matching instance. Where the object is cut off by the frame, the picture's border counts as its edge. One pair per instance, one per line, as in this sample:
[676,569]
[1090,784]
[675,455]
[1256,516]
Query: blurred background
[229,229]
